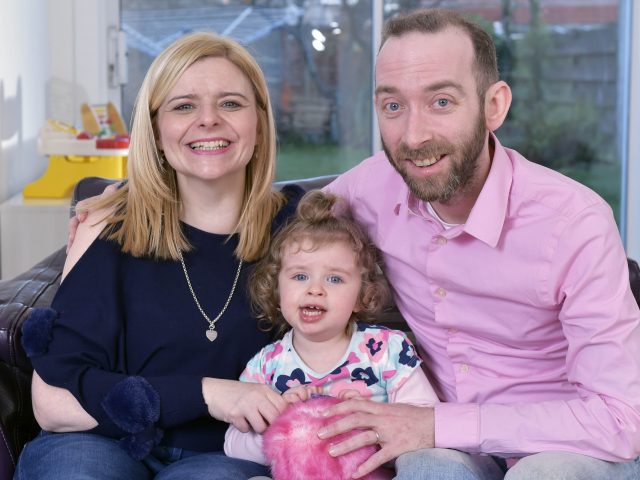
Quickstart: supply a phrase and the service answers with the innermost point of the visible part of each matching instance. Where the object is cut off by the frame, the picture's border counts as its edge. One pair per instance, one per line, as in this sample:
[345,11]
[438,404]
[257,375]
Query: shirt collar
[488,214]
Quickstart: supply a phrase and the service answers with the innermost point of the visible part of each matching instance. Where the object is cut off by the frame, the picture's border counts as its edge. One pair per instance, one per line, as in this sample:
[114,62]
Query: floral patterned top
[376,364]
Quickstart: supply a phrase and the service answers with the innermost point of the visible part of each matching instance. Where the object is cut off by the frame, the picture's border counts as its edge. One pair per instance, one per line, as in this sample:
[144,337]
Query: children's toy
[295,451]
[100,149]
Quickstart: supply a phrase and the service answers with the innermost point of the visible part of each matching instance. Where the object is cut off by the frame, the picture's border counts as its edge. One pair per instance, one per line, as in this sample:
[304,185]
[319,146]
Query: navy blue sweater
[121,316]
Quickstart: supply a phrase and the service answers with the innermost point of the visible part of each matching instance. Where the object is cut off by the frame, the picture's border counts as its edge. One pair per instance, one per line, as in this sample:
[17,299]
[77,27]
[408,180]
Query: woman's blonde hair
[146,211]
[323,219]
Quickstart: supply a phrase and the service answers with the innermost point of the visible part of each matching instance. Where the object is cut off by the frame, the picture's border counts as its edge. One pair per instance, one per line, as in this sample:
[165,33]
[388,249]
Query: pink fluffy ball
[295,452]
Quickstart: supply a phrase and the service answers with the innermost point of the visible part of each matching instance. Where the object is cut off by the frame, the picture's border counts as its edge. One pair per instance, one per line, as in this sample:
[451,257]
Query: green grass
[309,160]
[602,177]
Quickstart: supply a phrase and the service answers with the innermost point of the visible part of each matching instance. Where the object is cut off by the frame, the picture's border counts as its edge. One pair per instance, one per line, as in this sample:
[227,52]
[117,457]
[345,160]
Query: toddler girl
[319,283]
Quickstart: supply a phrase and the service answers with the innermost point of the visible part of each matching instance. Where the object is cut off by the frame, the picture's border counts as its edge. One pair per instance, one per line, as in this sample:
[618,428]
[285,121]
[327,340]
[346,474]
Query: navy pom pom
[134,406]
[36,331]
[139,445]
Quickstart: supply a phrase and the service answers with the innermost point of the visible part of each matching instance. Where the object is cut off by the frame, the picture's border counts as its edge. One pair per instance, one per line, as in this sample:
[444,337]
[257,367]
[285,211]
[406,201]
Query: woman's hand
[301,393]
[244,405]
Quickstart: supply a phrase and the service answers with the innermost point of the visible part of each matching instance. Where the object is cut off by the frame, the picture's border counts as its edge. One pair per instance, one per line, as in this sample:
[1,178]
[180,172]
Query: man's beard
[463,157]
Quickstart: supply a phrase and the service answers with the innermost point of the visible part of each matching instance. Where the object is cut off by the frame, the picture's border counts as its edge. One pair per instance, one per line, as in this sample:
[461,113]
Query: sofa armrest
[18,296]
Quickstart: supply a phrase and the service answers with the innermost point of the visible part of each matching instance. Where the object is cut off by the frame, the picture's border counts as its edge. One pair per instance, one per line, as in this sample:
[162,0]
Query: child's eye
[334,279]
[300,277]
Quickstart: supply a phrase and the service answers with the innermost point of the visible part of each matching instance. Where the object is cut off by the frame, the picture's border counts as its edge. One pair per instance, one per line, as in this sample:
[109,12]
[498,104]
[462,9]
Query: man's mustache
[428,151]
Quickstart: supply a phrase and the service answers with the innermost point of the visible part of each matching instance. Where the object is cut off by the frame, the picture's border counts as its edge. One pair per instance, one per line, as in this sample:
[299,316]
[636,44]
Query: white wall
[52,58]
[24,70]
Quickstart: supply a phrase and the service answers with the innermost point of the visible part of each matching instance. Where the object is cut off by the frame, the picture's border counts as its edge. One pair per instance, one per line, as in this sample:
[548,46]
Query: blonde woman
[135,362]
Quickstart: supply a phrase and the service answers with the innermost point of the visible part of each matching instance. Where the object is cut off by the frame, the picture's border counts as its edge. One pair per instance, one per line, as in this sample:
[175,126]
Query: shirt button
[440,240]
[464,368]
[441,292]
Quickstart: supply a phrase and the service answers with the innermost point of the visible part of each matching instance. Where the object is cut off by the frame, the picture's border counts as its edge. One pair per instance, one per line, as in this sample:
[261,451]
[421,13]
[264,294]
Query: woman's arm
[83,237]
[56,410]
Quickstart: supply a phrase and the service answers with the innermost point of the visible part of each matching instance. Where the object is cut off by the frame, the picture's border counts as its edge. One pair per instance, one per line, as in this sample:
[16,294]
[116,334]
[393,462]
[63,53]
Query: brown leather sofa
[36,288]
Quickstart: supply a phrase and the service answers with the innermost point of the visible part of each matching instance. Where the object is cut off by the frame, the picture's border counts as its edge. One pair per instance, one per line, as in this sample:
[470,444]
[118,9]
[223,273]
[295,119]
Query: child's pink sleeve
[416,390]
[245,446]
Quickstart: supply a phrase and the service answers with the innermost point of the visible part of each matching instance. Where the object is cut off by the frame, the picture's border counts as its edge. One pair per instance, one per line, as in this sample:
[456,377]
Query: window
[316,58]
[561,58]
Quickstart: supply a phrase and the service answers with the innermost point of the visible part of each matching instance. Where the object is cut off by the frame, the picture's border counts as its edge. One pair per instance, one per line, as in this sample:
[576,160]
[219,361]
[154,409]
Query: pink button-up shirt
[524,314]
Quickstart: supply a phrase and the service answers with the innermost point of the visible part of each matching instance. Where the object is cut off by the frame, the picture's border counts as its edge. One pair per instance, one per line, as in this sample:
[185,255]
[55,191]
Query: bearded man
[512,277]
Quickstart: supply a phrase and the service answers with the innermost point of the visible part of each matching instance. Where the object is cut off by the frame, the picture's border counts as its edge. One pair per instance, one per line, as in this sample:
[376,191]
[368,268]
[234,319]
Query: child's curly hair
[322,218]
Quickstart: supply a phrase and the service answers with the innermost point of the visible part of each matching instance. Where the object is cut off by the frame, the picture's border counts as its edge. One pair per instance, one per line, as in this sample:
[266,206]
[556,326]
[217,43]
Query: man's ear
[497,101]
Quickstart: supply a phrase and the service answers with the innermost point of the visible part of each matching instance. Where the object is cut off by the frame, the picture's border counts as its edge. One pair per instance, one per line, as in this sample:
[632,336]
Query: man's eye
[392,106]
[334,279]
[301,277]
[442,102]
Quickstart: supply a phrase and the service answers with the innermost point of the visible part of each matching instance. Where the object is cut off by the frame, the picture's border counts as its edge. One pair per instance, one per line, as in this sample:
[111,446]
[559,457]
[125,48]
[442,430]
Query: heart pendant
[212,335]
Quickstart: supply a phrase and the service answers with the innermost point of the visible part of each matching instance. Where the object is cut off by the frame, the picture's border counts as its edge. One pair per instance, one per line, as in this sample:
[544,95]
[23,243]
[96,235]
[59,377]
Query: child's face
[319,288]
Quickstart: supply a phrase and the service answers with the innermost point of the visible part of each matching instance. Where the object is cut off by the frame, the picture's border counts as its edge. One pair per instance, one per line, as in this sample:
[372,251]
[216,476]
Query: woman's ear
[497,101]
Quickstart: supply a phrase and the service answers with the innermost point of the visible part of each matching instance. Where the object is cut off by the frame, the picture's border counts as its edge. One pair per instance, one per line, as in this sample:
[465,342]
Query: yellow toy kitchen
[99,149]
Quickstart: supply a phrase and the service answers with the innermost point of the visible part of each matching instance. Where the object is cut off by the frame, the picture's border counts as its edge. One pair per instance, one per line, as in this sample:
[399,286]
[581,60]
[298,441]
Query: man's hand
[398,428]
[80,217]
[74,222]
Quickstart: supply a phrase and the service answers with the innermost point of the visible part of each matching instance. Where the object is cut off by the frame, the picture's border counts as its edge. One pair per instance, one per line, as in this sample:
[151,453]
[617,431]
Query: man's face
[431,120]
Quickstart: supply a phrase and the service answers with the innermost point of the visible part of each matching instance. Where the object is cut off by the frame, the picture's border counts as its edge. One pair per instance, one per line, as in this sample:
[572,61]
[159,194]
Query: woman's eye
[183,107]
[301,277]
[334,279]
[230,104]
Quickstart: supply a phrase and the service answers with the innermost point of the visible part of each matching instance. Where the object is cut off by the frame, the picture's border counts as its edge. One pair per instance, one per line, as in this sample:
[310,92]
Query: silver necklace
[211,331]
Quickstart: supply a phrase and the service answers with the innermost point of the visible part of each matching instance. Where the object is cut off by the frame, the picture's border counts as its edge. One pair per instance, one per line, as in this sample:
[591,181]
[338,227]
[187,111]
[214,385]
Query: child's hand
[349,394]
[301,393]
